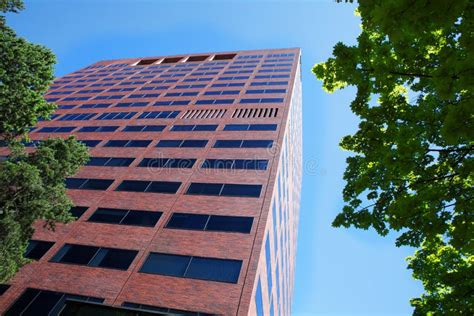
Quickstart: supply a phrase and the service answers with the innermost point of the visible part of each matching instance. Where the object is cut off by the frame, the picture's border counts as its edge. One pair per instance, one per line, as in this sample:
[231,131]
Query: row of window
[202,79]
[118,85]
[240,164]
[152,88]
[169,143]
[178,67]
[43,302]
[169,187]
[211,269]
[173,73]
[202,222]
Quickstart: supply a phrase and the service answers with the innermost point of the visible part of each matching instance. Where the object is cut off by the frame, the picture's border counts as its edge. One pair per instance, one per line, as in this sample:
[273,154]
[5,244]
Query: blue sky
[338,271]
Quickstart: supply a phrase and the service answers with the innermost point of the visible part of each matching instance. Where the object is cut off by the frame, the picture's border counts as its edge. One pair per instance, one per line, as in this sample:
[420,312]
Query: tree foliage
[31,182]
[413,68]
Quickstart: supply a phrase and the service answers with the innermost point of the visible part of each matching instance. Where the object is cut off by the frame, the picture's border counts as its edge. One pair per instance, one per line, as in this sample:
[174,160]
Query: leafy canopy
[31,183]
[412,168]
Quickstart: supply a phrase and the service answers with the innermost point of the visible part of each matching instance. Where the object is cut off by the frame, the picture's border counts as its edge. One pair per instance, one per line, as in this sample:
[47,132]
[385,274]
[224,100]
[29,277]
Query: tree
[413,68]
[31,182]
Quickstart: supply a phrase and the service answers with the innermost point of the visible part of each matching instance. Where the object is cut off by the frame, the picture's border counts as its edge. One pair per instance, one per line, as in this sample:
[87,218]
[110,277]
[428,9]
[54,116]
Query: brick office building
[190,201]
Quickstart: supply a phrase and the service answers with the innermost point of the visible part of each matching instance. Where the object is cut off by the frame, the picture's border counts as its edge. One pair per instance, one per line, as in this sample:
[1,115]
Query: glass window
[74,183]
[187,221]
[113,258]
[3,288]
[133,186]
[218,163]
[180,163]
[108,215]
[194,143]
[263,127]
[138,143]
[77,211]
[119,162]
[153,162]
[169,143]
[163,187]
[141,218]
[116,143]
[227,144]
[96,184]
[236,127]
[90,143]
[164,264]
[244,190]
[254,143]
[37,248]
[77,254]
[181,128]
[97,161]
[238,224]
[205,188]
[221,270]
[133,128]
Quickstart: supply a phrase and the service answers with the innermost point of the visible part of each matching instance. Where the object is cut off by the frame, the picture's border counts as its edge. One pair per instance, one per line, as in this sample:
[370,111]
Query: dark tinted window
[194,143]
[221,223]
[163,187]
[227,143]
[188,221]
[138,143]
[250,164]
[133,128]
[90,143]
[212,269]
[239,224]
[108,215]
[37,248]
[42,302]
[164,264]
[205,188]
[77,254]
[96,184]
[218,163]
[235,164]
[95,256]
[119,162]
[153,162]
[127,143]
[77,211]
[125,217]
[246,190]
[236,127]
[243,190]
[257,143]
[180,163]
[133,186]
[3,288]
[97,161]
[169,143]
[74,183]
[144,128]
[262,127]
[113,258]
[221,270]
[116,143]
[141,218]
[147,186]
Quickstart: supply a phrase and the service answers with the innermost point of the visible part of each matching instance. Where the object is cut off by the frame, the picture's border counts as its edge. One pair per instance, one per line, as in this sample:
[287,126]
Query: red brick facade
[117,286]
